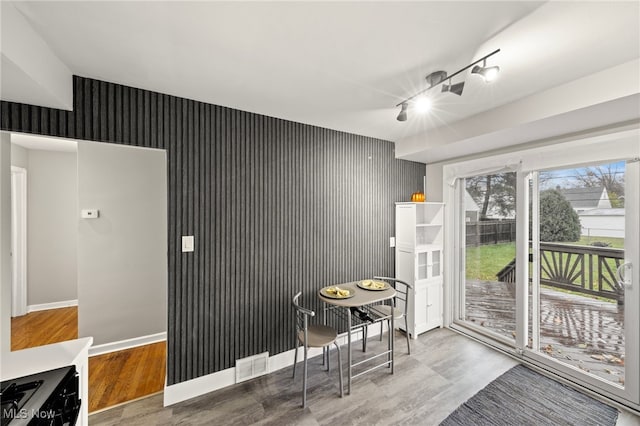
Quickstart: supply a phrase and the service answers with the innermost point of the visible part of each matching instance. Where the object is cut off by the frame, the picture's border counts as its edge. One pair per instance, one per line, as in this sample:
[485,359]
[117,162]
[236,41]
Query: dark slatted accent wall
[275,207]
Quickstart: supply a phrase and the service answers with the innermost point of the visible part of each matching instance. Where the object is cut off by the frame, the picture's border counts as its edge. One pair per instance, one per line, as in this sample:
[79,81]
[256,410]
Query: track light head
[453,88]
[488,73]
[403,112]
[436,78]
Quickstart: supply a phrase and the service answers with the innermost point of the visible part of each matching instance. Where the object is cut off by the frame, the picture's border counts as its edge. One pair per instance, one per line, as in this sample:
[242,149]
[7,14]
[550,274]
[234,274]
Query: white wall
[52,227]
[122,254]
[19,156]
[5,243]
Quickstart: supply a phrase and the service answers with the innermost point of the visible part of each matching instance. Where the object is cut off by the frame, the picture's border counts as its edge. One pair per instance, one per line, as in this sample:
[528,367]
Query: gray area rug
[523,397]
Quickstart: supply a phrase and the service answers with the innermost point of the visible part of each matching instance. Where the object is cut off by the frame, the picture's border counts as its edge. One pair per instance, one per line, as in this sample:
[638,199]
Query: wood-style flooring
[44,327]
[444,370]
[115,377]
[122,376]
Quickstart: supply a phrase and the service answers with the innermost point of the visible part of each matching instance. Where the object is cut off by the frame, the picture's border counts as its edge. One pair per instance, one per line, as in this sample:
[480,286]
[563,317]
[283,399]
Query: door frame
[18,241]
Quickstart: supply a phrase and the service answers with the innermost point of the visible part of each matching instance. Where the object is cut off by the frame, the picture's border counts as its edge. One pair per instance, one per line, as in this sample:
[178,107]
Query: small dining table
[361,298]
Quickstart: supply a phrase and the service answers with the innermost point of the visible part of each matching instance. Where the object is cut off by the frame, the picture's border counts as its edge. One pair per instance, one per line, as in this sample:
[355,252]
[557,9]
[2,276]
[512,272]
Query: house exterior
[597,217]
[471,209]
[584,199]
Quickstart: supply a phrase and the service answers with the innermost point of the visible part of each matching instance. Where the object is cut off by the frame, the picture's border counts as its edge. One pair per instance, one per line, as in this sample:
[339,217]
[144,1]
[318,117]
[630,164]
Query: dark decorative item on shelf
[418,197]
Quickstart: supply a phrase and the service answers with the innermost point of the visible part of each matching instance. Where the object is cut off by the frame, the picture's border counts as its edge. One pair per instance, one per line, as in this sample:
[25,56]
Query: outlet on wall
[187,243]
[392,241]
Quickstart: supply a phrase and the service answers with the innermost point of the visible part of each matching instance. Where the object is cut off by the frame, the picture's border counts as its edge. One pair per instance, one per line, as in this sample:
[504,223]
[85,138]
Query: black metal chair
[312,336]
[381,313]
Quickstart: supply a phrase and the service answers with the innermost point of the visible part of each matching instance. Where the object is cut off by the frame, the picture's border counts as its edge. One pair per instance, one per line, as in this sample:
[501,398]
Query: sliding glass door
[582,230]
[547,259]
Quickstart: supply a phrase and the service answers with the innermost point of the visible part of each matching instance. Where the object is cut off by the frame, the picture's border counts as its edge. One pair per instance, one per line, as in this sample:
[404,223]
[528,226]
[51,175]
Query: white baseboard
[221,379]
[52,305]
[126,344]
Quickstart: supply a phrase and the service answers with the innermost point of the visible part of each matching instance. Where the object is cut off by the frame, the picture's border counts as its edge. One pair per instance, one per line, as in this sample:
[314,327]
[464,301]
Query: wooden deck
[580,331]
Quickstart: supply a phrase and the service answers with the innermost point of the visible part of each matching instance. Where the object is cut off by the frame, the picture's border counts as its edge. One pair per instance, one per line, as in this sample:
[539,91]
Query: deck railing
[583,269]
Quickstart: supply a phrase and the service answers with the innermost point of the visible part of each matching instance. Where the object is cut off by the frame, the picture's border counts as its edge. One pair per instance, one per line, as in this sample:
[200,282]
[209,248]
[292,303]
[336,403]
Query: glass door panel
[435,264]
[579,304]
[422,266]
[490,251]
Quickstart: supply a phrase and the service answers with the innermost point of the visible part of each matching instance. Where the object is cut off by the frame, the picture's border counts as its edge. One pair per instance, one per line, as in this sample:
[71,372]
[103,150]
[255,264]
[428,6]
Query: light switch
[187,243]
[89,213]
[392,241]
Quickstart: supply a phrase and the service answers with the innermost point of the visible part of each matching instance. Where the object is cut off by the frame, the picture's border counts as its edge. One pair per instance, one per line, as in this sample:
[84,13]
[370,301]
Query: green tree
[558,221]
[493,193]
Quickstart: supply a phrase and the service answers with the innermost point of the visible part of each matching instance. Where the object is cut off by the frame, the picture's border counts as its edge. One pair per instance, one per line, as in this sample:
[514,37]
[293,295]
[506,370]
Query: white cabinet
[419,243]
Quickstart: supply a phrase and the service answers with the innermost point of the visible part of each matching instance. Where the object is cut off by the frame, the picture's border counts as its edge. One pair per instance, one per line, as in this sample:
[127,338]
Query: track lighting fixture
[488,73]
[421,103]
[453,88]
[403,112]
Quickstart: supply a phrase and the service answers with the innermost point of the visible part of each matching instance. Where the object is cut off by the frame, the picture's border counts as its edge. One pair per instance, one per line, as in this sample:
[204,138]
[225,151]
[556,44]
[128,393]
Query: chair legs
[304,376]
[295,360]
[406,332]
[406,328]
[304,380]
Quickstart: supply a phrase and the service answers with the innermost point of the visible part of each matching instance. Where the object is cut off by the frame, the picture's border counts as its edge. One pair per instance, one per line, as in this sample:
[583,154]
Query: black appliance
[49,398]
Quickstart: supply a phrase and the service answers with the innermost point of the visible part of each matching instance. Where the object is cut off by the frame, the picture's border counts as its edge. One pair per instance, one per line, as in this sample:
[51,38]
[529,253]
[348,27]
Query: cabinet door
[405,226]
[419,318]
[434,305]
[405,266]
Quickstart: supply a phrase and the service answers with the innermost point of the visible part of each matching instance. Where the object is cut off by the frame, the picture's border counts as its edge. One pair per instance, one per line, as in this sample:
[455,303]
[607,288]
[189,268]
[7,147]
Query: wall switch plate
[392,241]
[187,243]
[89,213]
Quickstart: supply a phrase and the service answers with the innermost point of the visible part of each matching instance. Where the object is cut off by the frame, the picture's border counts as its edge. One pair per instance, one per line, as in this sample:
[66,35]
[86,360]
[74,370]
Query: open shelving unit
[419,248]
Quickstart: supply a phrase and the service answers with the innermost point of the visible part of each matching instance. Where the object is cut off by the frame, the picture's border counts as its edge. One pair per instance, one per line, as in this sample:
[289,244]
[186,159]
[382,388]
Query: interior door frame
[18,241]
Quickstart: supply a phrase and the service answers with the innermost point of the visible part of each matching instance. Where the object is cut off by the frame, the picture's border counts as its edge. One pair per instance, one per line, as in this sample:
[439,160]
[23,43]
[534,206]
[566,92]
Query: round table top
[361,297]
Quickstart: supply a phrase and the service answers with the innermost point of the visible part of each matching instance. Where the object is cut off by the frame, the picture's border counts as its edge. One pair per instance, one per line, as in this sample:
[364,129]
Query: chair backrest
[302,317]
[402,290]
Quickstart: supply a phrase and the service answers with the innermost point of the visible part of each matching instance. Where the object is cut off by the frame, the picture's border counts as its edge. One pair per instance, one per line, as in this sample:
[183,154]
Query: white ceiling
[340,65]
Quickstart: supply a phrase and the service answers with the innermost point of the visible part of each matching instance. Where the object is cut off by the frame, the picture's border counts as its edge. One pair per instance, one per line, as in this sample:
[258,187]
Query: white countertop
[42,358]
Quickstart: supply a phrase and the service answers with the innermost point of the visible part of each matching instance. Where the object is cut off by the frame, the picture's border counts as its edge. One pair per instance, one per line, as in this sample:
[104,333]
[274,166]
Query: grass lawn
[614,242]
[484,262]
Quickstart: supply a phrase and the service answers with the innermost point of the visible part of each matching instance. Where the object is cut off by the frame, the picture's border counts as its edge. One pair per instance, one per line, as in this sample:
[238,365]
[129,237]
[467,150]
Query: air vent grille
[252,366]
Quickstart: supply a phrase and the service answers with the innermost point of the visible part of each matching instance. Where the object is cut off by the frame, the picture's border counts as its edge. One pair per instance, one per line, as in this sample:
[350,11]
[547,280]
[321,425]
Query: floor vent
[252,366]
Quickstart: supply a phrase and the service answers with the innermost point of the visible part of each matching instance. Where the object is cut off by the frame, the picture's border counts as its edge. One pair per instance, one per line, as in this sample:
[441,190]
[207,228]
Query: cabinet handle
[429,305]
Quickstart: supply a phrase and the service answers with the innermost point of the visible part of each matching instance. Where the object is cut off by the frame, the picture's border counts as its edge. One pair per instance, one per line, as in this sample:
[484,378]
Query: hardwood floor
[44,327]
[115,377]
[122,376]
